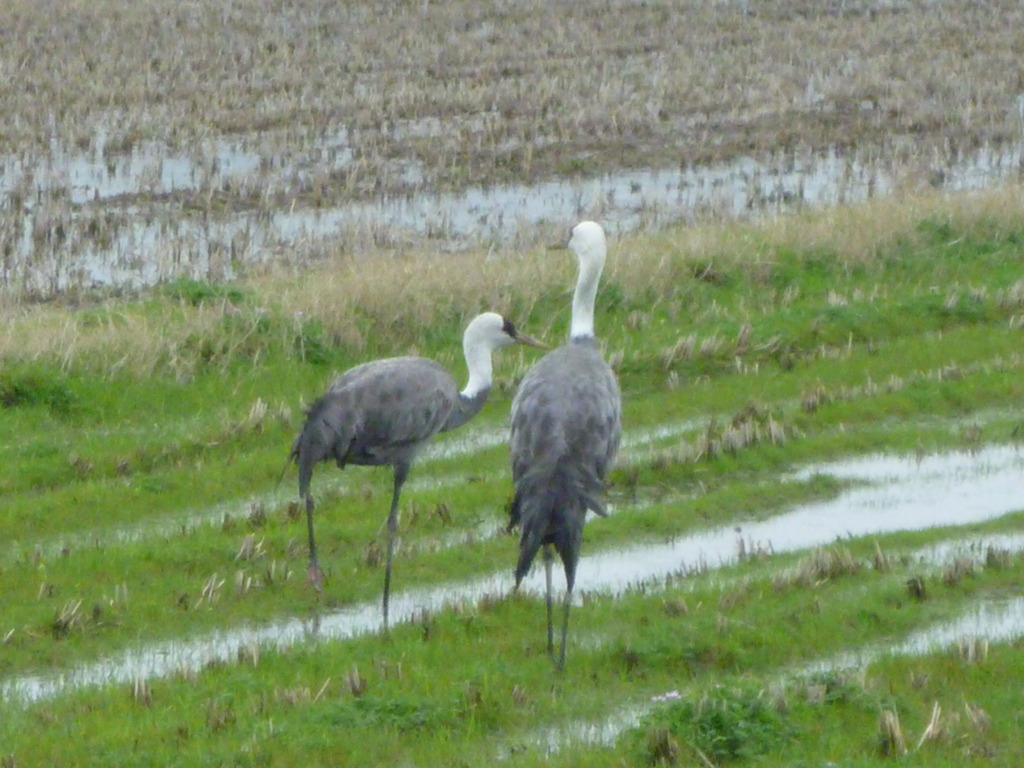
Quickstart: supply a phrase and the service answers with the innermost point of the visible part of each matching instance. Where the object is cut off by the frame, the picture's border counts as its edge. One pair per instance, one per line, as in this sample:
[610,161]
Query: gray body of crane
[566,424]
[383,412]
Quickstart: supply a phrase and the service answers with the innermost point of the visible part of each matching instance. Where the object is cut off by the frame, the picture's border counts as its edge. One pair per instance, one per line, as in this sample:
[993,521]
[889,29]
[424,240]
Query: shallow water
[992,621]
[145,242]
[902,494]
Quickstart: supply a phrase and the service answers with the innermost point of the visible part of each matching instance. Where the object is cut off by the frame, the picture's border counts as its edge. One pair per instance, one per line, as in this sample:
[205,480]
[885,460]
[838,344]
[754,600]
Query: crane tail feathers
[550,507]
[323,436]
[530,542]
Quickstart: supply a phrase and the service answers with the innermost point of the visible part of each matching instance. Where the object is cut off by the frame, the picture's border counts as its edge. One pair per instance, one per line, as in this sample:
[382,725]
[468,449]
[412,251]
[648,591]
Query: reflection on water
[577,732]
[901,494]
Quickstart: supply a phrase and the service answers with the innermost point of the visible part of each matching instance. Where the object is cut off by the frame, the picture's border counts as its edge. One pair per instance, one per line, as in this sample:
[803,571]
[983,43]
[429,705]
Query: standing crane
[383,412]
[565,429]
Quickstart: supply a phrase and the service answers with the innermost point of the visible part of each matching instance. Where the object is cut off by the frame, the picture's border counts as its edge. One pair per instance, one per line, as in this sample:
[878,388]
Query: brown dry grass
[399,295]
[853,234]
[487,90]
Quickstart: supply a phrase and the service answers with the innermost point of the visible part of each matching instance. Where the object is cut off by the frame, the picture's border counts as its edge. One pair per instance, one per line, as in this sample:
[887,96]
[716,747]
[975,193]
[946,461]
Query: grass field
[143,520]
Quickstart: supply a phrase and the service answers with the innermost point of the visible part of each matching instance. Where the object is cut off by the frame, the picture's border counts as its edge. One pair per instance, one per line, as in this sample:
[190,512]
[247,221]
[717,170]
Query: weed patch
[726,724]
[39,385]
[198,292]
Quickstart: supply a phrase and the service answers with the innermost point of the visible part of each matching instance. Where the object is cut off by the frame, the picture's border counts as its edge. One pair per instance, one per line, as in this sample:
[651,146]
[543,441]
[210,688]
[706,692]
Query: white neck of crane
[591,265]
[478,361]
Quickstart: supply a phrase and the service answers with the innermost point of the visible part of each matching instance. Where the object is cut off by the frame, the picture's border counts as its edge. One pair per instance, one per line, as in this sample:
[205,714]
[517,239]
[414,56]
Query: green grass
[141,506]
[458,684]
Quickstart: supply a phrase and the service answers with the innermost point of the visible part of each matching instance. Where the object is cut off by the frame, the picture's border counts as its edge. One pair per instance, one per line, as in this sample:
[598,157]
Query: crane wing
[569,404]
[392,405]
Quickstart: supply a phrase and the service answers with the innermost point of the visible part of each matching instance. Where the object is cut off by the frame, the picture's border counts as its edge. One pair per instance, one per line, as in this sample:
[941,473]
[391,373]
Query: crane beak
[522,338]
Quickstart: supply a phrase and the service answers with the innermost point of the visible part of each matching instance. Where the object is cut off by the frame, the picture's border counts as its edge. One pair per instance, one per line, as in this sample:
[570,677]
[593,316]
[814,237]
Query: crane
[383,412]
[566,424]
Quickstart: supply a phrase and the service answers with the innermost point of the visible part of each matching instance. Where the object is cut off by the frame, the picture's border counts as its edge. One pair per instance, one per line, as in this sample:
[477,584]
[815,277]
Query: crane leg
[569,559]
[313,573]
[401,471]
[548,560]
[560,664]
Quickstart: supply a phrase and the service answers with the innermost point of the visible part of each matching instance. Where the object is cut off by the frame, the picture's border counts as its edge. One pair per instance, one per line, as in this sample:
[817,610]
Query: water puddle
[104,242]
[991,621]
[556,738]
[975,548]
[103,173]
[466,442]
[901,494]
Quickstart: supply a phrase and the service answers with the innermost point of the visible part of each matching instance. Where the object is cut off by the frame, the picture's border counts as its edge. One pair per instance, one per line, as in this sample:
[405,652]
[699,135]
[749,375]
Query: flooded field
[491,129]
[898,493]
[122,222]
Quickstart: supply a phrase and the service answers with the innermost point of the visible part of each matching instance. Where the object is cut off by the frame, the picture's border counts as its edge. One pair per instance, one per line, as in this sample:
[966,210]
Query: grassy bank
[144,438]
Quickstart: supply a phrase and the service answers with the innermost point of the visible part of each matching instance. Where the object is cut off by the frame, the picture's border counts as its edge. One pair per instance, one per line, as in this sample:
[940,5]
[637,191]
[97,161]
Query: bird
[381,413]
[565,429]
